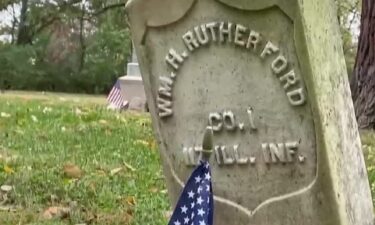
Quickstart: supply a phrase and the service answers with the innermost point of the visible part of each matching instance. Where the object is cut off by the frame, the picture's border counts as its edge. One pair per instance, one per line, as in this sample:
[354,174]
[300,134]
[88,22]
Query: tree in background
[348,12]
[363,78]
[83,46]
[66,45]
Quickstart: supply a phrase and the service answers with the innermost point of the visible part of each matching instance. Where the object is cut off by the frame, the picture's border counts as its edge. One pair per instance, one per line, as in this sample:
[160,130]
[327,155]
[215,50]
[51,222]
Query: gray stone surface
[137,104]
[133,69]
[132,88]
[134,56]
[269,77]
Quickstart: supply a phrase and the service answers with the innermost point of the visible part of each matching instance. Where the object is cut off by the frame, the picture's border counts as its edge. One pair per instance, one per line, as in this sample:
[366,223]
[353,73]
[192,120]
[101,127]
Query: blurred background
[64,158]
[83,46]
[64,45]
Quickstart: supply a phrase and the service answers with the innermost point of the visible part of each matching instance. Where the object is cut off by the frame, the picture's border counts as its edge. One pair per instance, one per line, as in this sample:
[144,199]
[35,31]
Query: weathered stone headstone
[132,68]
[132,88]
[269,77]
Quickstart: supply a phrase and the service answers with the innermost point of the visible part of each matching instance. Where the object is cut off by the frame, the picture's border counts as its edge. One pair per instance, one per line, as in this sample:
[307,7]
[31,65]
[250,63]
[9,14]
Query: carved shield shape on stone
[241,69]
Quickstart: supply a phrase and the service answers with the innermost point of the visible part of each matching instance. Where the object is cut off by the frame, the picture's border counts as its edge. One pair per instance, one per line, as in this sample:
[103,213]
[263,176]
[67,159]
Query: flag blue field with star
[196,204]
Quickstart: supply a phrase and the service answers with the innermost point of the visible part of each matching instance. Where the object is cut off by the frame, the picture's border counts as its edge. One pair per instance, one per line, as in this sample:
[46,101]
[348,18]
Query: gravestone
[132,88]
[268,77]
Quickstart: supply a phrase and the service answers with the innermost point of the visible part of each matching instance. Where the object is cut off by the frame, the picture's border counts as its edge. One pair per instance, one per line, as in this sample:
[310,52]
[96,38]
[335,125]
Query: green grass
[44,134]
[53,96]
[368,142]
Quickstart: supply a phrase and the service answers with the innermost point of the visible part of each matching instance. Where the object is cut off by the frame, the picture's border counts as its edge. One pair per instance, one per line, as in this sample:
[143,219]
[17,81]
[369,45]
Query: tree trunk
[363,79]
[14,23]
[23,36]
[82,38]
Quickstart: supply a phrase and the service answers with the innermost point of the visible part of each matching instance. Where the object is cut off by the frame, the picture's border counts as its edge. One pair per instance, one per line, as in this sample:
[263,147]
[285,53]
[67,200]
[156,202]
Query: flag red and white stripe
[115,98]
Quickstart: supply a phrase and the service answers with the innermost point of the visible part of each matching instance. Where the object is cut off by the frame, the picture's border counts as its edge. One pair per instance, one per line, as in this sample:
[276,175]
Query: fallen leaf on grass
[103,122]
[72,171]
[8,208]
[141,142]
[8,170]
[152,144]
[168,214]
[78,112]
[131,201]
[56,212]
[116,171]
[7,158]
[101,172]
[5,115]
[153,190]
[129,167]
[47,110]
[34,118]
[6,188]
[19,131]
[115,218]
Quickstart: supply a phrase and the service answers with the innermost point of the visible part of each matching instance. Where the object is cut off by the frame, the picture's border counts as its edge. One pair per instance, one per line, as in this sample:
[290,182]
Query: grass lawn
[67,158]
[77,163]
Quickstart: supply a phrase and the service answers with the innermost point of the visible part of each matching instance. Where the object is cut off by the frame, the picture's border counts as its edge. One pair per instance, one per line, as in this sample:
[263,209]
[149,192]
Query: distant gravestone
[132,88]
[269,77]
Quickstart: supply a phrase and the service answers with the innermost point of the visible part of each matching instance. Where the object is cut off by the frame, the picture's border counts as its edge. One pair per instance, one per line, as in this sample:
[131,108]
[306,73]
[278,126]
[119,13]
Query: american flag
[115,98]
[196,205]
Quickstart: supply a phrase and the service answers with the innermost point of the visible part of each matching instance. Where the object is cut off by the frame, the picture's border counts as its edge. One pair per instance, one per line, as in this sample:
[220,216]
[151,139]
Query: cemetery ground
[65,159]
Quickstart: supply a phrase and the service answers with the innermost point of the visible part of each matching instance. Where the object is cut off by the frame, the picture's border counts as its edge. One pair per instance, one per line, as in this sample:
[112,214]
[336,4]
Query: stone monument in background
[269,78]
[132,88]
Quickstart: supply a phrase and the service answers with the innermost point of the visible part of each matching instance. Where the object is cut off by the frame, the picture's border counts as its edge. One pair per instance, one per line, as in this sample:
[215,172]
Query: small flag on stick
[115,98]
[196,203]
